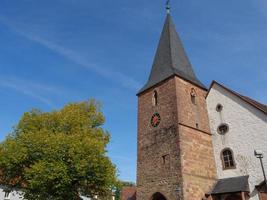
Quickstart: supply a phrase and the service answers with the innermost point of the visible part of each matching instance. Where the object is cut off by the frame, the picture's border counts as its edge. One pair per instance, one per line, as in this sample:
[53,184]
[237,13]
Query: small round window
[219,107]
[223,129]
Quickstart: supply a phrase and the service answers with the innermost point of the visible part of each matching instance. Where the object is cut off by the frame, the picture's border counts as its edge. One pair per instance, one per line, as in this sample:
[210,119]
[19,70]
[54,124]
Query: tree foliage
[58,155]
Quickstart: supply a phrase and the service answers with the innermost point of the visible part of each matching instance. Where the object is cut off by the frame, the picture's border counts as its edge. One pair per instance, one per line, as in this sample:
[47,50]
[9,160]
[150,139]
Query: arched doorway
[234,197]
[158,196]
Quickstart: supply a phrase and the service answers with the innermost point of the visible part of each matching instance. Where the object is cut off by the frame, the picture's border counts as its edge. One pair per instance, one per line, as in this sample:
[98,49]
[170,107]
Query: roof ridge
[170,43]
[260,106]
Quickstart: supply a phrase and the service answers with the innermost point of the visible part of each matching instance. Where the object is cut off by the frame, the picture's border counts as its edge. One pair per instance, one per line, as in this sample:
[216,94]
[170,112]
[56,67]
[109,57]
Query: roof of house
[248,100]
[128,193]
[230,185]
[170,59]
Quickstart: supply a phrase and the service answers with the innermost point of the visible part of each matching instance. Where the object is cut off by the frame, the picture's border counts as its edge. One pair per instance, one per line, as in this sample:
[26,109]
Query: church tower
[175,153]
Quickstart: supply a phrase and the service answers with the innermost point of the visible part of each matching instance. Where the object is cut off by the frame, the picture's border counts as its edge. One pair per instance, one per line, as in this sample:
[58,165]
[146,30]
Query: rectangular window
[166,161]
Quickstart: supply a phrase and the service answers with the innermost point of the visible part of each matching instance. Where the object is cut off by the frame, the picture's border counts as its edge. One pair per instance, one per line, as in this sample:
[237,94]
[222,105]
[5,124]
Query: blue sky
[57,51]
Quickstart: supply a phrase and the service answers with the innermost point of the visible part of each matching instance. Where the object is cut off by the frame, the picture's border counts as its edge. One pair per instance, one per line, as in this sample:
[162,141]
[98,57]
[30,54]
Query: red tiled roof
[128,193]
[252,102]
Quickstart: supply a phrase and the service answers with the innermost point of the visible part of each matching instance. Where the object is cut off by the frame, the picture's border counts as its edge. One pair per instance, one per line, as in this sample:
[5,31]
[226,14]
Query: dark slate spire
[170,59]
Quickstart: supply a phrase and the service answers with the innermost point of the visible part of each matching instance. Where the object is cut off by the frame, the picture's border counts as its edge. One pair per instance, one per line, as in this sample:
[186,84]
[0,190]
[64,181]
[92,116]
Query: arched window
[193,95]
[195,108]
[155,98]
[227,159]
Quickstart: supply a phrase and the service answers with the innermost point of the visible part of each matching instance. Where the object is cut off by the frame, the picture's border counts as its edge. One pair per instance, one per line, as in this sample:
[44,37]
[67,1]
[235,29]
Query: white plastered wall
[247,131]
[17,195]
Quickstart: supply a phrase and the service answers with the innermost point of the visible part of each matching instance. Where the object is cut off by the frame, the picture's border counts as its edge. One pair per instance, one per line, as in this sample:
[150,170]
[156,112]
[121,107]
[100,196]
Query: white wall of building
[16,195]
[247,131]
[13,195]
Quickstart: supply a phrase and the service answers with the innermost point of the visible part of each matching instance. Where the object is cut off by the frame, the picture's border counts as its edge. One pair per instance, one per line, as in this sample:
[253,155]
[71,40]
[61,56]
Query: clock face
[155,120]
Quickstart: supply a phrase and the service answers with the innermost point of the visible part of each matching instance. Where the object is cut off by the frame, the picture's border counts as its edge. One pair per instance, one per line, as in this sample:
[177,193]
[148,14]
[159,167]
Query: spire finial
[168,7]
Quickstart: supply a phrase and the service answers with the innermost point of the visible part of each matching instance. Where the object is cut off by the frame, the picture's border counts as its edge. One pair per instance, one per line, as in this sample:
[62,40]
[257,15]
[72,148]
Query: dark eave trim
[164,80]
[235,94]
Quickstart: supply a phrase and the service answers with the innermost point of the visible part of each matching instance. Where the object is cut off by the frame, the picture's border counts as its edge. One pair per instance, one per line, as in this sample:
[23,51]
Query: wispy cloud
[31,89]
[73,56]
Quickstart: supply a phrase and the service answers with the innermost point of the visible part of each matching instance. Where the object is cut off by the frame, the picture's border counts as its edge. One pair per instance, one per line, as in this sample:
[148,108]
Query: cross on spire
[168,7]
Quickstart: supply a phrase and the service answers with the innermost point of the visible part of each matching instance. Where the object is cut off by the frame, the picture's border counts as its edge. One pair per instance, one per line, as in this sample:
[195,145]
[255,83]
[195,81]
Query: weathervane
[168,7]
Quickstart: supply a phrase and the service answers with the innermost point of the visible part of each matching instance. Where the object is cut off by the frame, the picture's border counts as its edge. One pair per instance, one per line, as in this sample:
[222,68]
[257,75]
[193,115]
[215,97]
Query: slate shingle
[170,59]
[230,185]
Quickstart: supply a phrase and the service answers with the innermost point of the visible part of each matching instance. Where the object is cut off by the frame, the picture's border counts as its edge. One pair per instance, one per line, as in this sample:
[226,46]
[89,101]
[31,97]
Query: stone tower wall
[183,138]
[154,143]
[197,157]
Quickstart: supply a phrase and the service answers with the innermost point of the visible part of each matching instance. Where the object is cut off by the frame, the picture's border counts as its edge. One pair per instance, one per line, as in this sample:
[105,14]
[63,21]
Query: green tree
[59,155]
